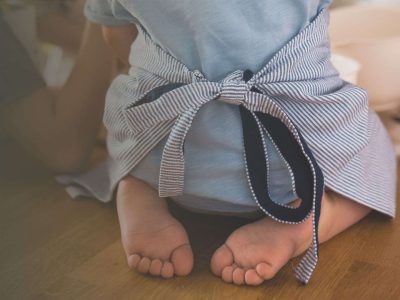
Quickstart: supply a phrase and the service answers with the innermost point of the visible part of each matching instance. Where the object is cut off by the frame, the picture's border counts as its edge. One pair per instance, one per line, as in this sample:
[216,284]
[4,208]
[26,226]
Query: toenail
[238,276]
[155,267]
[252,278]
[264,270]
[133,260]
[144,265]
[167,270]
[227,274]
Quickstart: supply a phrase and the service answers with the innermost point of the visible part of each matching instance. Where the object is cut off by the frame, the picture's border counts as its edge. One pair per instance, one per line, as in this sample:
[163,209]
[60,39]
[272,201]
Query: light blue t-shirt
[213,36]
[216,37]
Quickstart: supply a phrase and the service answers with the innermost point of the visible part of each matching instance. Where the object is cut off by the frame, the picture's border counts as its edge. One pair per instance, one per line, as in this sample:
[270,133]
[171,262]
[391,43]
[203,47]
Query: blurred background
[51,32]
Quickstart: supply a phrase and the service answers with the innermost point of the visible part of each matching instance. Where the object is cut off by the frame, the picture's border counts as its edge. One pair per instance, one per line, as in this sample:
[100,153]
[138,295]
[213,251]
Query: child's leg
[154,241]
[257,251]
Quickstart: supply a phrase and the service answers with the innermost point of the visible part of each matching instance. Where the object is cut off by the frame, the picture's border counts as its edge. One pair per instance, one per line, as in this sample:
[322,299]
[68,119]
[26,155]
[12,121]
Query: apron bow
[178,104]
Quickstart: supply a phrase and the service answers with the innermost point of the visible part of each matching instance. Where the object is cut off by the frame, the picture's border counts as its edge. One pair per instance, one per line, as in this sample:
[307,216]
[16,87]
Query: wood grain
[53,247]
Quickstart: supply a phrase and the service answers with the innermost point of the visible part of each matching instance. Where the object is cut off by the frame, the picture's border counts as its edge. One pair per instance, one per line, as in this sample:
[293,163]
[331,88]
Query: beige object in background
[371,35]
[347,67]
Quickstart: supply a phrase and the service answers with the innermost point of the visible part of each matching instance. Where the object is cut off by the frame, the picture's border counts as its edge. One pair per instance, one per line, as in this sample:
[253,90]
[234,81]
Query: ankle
[139,196]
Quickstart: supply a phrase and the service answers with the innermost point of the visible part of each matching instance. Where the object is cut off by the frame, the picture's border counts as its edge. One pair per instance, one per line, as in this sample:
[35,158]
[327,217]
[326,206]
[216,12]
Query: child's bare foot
[257,251]
[154,241]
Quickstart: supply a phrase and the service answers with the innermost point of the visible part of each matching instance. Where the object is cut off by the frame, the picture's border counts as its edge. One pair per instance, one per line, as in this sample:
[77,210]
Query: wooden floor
[53,247]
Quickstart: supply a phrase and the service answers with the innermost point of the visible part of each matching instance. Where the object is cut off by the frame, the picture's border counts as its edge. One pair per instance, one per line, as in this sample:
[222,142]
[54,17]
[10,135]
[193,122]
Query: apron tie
[261,116]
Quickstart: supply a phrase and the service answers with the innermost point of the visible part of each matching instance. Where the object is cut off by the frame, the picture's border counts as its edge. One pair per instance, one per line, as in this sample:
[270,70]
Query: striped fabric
[298,85]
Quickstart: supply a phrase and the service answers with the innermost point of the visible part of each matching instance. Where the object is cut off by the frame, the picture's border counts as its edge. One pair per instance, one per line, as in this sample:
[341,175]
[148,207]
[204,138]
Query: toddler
[233,107]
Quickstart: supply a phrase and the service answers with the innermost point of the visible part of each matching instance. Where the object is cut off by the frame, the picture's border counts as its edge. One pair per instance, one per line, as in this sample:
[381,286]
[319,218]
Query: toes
[252,278]
[265,271]
[144,265]
[167,270]
[133,261]
[238,276]
[182,260]
[181,263]
[227,274]
[223,257]
[155,267]
[241,276]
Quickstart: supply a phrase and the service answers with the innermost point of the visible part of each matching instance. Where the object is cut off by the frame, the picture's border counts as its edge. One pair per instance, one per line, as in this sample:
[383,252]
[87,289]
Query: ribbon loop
[155,107]
[172,169]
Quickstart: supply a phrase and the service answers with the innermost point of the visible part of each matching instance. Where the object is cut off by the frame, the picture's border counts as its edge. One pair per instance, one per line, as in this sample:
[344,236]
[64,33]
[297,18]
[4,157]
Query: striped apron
[320,125]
